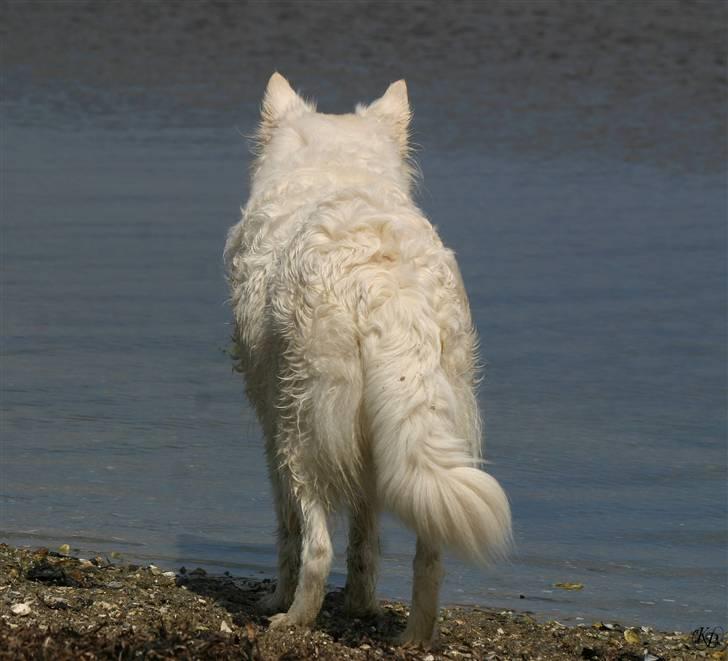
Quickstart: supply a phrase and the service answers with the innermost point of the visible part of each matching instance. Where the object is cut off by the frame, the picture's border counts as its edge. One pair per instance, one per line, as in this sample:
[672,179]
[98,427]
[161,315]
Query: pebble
[56,603]
[115,585]
[21,609]
[225,627]
[429,657]
[156,571]
[169,574]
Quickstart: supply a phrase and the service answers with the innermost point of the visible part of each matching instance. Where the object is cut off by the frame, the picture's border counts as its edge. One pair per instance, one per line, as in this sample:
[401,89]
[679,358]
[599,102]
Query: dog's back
[355,336]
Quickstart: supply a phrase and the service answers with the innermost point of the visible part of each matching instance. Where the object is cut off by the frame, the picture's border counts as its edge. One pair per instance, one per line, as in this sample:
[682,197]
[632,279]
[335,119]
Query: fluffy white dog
[354,334]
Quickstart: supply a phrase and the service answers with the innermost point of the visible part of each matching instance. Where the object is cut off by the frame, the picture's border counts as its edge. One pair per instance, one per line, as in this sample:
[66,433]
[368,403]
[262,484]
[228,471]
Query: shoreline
[60,607]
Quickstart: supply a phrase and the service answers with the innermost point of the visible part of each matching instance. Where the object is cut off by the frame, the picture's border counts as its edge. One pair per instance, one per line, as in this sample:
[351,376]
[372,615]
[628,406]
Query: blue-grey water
[574,158]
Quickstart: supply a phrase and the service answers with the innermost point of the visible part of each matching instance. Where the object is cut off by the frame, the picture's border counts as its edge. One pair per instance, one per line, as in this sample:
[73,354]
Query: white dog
[354,334]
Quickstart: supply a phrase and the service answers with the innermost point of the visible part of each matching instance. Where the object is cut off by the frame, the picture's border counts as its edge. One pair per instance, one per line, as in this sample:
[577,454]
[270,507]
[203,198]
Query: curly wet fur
[354,334]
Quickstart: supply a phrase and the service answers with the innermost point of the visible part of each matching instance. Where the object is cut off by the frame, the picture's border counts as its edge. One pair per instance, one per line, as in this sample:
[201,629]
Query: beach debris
[569,586]
[21,609]
[131,607]
[55,603]
[54,574]
[632,637]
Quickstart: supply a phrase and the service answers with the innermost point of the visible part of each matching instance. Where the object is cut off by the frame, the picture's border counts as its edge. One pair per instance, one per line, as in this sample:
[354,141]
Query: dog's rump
[347,259]
[380,340]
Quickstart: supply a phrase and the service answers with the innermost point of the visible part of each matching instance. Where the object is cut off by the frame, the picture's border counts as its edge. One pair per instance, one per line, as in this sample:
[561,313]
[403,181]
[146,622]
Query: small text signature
[708,636]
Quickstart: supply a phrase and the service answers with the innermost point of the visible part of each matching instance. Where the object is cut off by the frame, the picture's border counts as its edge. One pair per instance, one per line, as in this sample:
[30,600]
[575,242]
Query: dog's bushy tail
[427,474]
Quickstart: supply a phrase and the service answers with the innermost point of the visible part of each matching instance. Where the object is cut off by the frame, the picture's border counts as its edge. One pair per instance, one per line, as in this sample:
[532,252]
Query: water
[590,232]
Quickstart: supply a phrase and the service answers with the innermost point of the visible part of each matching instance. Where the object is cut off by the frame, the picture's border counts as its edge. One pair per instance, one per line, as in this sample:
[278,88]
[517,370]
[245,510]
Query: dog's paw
[411,638]
[280,621]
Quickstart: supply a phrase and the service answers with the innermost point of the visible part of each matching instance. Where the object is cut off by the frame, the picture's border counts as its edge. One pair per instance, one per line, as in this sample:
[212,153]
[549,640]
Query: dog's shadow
[240,597]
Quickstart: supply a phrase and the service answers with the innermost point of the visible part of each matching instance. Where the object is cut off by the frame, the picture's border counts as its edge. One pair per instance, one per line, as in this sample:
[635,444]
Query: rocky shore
[54,606]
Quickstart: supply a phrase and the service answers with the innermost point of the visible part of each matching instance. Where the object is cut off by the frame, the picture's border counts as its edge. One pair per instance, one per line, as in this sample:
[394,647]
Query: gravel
[53,606]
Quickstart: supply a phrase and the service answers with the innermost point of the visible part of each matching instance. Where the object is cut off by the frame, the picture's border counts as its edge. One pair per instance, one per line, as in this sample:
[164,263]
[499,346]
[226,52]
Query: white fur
[354,334]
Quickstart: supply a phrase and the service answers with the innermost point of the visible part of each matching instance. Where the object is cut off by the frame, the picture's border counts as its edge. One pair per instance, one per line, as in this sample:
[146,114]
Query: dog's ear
[393,107]
[279,100]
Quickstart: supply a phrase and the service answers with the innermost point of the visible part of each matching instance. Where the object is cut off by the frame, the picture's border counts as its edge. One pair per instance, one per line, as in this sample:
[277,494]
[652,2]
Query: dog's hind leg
[425,589]
[362,560]
[316,556]
[289,548]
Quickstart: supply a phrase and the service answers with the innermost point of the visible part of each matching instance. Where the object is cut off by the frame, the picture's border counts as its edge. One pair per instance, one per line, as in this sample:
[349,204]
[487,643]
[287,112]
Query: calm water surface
[597,283]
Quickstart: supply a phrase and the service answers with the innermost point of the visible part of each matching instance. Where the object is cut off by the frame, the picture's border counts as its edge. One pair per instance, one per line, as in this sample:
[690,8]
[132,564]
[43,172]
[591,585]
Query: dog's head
[293,135]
